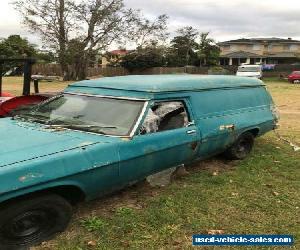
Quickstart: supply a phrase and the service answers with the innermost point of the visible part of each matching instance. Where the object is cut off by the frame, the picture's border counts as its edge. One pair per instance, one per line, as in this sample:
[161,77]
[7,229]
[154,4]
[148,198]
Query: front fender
[91,169]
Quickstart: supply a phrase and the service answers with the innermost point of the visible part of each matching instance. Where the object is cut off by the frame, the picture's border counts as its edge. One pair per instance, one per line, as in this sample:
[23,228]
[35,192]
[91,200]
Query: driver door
[168,142]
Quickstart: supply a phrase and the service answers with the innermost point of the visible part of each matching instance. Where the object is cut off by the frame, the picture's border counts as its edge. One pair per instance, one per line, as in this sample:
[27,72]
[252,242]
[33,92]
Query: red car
[294,77]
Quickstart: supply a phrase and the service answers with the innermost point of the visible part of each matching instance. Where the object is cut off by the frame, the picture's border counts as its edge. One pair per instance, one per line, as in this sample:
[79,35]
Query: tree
[53,20]
[94,24]
[74,54]
[208,51]
[15,46]
[145,57]
[44,56]
[183,47]
[146,33]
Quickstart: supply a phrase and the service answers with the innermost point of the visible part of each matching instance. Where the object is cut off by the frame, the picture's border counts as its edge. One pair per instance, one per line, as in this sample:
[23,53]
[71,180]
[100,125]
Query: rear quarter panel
[245,108]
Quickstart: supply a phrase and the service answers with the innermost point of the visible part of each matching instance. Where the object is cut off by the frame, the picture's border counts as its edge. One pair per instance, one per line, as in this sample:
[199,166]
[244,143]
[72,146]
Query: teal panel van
[101,135]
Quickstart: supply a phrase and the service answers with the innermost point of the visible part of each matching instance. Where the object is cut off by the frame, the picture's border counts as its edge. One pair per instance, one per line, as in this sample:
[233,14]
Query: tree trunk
[82,67]
[82,71]
[62,41]
[64,68]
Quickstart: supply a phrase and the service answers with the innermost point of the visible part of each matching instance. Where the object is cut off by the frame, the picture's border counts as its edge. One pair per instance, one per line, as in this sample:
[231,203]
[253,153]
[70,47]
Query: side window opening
[164,116]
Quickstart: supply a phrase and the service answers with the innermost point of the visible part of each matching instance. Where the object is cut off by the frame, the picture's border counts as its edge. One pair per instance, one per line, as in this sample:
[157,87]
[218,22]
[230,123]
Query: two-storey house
[259,50]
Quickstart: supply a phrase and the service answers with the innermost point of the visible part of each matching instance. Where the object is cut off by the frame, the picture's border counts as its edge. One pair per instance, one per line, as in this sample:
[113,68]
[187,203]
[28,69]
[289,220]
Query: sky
[224,19]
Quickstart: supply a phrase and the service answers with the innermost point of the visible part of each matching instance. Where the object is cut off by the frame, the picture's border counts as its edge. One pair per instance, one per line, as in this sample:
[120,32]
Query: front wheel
[241,148]
[32,221]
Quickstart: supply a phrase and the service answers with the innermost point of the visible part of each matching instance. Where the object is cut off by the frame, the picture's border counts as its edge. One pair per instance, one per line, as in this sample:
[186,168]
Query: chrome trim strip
[139,119]
[92,133]
[107,96]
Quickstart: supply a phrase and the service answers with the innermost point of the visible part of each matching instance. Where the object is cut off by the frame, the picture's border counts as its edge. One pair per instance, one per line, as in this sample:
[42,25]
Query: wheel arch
[73,193]
[253,131]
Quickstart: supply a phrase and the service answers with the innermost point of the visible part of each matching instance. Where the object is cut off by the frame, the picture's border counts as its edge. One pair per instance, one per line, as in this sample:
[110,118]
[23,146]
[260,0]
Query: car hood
[21,141]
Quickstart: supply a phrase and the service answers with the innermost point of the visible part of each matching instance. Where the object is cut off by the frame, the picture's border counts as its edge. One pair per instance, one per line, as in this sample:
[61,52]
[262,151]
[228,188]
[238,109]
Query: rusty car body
[102,135]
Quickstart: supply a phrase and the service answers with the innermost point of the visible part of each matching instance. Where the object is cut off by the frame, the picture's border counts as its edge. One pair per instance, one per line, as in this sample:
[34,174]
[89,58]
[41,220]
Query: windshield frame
[135,123]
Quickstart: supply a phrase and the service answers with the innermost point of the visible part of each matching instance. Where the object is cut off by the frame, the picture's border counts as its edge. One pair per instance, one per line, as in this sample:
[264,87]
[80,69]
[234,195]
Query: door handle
[193,131]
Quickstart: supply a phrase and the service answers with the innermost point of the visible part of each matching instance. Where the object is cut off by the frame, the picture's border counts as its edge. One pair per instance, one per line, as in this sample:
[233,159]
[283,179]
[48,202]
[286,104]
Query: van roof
[168,83]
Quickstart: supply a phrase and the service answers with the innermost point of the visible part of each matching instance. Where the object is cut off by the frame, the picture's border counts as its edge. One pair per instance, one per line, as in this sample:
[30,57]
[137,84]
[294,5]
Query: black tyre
[241,148]
[30,221]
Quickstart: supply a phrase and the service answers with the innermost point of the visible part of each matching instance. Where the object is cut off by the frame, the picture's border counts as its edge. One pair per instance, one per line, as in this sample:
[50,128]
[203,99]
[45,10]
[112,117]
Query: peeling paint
[30,177]
[228,127]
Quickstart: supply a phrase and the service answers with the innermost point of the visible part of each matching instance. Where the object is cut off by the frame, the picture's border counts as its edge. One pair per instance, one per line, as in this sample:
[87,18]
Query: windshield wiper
[31,117]
[87,128]
[78,126]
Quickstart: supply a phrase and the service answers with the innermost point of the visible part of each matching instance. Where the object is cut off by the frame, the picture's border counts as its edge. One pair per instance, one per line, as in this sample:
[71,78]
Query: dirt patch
[287,98]
[214,165]
[292,112]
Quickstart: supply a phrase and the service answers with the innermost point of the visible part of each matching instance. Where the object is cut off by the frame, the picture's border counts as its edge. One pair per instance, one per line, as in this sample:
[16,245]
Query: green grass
[14,85]
[259,195]
[273,80]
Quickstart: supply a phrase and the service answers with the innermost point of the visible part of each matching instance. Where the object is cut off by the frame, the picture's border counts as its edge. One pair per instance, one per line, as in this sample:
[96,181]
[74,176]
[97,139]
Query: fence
[54,69]
[282,70]
[47,69]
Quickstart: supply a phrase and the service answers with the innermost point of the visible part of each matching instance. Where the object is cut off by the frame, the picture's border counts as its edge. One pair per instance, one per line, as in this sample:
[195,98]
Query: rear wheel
[31,221]
[241,148]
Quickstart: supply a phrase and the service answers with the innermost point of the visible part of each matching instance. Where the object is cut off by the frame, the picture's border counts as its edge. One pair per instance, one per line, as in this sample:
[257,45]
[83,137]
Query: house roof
[283,55]
[120,52]
[166,83]
[261,40]
[242,54]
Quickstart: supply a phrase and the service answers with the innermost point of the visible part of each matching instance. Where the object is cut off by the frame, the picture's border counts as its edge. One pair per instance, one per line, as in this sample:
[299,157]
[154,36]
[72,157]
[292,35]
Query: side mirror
[192,123]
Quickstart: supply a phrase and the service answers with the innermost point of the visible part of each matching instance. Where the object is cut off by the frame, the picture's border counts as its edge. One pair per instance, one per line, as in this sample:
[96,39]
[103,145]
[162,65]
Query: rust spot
[194,145]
